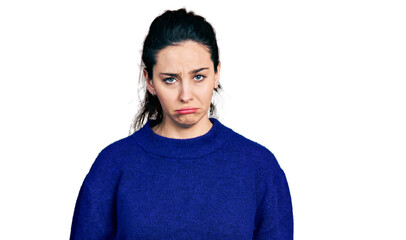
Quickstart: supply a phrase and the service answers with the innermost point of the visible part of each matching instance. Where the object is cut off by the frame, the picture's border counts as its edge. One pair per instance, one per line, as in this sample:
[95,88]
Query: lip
[187,110]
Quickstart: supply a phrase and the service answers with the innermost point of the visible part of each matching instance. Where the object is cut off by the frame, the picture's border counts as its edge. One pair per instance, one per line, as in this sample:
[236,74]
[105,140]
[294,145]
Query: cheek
[165,100]
[206,94]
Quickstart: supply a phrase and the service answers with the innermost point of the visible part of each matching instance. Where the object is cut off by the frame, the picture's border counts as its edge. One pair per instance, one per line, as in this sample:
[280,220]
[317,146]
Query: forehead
[185,55]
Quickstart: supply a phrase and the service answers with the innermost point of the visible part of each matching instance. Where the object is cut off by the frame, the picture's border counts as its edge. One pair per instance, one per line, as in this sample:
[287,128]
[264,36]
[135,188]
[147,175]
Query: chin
[187,120]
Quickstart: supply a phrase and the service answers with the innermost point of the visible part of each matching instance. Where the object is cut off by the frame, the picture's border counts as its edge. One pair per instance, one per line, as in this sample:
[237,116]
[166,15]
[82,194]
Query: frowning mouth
[186,110]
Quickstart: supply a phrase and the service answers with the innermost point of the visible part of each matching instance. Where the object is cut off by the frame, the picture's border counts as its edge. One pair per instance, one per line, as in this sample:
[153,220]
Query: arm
[274,219]
[94,215]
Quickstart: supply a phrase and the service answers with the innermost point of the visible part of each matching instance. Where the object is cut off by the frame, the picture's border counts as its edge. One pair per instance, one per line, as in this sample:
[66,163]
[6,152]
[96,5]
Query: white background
[319,83]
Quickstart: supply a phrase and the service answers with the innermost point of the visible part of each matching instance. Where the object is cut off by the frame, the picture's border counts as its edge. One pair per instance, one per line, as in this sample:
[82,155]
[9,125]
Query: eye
[199,77]
[169,80]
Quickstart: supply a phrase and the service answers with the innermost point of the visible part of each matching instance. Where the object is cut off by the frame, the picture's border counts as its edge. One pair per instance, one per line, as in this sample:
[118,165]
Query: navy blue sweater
[219,185]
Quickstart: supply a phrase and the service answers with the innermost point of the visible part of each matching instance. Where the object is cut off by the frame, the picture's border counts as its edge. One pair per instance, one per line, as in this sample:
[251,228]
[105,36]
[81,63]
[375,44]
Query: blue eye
[166,80]
[199,77]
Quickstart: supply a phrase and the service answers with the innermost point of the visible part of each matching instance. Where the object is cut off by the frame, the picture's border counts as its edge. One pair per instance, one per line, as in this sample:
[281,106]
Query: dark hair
[169,29]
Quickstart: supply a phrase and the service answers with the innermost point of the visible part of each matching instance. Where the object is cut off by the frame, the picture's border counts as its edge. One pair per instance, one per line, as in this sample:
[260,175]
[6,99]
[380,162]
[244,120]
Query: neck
[187,148]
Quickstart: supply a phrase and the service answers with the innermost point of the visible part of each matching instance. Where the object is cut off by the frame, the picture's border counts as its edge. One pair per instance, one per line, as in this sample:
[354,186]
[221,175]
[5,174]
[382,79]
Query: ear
[217,76]
[149,83]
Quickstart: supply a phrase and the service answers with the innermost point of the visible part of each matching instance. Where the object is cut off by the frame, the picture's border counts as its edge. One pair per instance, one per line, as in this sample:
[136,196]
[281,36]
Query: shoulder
[107,167]
[116,153]
[257,152]
[119,147]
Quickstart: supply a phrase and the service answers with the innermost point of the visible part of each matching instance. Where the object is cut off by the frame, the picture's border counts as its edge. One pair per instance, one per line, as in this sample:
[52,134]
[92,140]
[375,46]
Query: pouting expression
[184,77]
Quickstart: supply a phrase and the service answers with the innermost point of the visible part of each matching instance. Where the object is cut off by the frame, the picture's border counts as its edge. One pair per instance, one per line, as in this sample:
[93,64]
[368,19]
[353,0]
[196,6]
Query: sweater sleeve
[94,215]
[274,218]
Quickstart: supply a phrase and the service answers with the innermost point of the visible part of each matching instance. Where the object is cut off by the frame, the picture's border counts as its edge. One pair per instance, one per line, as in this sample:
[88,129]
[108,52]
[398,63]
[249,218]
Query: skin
[177,84]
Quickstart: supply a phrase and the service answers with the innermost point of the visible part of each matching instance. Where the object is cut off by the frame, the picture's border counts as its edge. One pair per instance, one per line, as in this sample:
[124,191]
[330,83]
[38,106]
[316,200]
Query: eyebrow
[191,72]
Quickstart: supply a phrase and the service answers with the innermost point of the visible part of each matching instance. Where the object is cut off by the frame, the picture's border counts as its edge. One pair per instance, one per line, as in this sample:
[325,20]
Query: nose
[185,92]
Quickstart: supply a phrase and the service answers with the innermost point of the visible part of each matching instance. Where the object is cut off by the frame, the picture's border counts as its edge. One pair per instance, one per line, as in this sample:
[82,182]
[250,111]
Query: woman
[183,174]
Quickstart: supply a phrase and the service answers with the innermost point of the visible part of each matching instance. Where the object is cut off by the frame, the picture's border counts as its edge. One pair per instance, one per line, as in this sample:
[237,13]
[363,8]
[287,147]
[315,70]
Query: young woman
[183,174]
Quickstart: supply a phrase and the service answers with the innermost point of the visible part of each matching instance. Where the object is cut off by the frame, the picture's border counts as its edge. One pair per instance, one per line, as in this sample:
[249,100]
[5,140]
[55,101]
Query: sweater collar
[181,148]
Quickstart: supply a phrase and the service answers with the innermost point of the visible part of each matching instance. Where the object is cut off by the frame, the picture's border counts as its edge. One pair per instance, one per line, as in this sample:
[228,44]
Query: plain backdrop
[319,83]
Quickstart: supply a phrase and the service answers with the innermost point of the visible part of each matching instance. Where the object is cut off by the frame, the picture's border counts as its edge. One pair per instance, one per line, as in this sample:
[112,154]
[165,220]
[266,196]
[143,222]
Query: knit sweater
[219,185]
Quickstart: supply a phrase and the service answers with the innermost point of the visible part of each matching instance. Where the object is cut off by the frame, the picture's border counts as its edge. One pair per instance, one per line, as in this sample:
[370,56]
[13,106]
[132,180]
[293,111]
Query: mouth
[186,110]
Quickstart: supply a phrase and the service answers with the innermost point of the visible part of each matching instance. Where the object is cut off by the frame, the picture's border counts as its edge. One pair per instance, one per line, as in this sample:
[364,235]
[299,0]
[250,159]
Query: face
[184,77]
